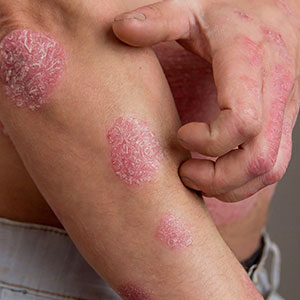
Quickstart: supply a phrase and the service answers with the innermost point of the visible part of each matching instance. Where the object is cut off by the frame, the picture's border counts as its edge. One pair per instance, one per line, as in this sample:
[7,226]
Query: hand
[253,49]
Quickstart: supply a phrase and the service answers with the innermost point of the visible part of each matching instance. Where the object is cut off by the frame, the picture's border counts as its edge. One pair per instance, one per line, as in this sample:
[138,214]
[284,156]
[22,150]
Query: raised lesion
[131,291]
[174,232]
[31,64]
[136,153]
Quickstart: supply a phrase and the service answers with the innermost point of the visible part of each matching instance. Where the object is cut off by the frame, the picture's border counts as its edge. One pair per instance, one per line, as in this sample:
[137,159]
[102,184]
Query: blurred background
[284,223]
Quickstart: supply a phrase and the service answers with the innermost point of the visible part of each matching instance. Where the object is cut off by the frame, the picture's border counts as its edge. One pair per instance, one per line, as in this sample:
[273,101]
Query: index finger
[238,77]
[254,158]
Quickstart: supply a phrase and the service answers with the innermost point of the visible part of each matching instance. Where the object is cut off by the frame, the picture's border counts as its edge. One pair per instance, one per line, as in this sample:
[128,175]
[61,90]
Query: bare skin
[142,230]
[192,84]
[40,213]
[255,60]
[25,203]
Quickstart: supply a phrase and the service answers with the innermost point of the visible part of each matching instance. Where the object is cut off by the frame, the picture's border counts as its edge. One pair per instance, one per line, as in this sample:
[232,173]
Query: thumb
[159,22]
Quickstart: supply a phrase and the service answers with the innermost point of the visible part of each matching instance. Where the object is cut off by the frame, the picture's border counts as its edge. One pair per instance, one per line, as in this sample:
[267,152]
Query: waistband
[43,260]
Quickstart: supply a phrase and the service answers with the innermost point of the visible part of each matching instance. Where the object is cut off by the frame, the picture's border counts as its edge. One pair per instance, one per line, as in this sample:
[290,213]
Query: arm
[142,231]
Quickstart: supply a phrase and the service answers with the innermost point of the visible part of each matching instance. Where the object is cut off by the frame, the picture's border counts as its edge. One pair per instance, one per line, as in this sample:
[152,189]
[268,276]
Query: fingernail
[189,182]
[130,16]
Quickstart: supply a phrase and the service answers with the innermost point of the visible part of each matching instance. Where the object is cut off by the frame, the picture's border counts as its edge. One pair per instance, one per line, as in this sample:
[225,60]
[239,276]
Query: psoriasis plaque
[135,151]
[132,292]
[174,233]
[30,67]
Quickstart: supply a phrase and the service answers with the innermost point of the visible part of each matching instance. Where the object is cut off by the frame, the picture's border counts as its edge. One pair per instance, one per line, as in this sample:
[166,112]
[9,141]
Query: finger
[239,85]
[254,158]
[222,176]
[283,159]
[158,22]
[261,182]
[230,171]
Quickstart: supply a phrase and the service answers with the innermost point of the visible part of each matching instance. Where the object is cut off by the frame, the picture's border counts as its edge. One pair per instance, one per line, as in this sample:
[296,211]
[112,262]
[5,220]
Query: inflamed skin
[31,64]
[174,233]
[135,151]
[132,292]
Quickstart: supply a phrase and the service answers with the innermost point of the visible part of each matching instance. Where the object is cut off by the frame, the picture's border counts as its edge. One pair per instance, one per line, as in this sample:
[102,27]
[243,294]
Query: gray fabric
[39,261]
[267,279]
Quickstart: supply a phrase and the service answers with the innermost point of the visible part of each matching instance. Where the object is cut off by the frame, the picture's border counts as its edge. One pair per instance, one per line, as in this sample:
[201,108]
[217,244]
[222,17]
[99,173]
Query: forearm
[240,224]
[122,229]
[243,236]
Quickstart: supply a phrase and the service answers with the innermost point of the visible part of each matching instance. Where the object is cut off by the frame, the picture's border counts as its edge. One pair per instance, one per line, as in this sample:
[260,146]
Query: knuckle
[262,163]
[249,122]
[274,176]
